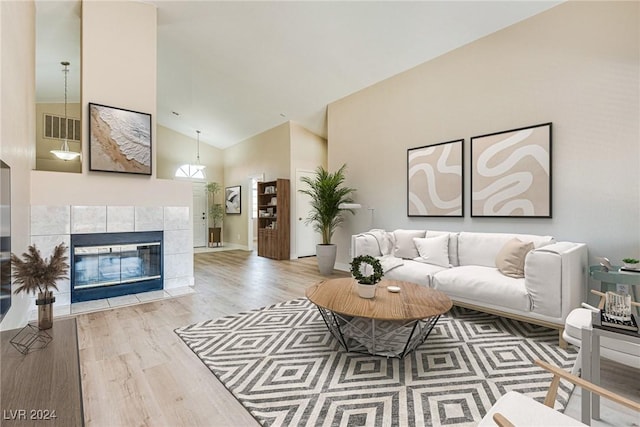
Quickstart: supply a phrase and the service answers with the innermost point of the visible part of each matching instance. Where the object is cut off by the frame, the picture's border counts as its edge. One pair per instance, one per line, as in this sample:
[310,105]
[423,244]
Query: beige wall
[118,69]
[308,151]
[267,153]
[175,149]
[45,161]
[17,133]
[576,65]
[276,153]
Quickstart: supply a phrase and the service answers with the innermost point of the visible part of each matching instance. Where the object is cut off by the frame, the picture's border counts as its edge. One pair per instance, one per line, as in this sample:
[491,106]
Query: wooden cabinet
[273,219]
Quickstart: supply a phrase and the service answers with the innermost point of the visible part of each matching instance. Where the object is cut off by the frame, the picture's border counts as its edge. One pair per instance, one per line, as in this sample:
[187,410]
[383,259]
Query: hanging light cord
[198,147]
[65,146]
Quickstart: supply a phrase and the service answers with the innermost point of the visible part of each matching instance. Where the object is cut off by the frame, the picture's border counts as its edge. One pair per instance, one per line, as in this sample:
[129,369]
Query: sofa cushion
[453,245]
[486,285]
[433,250]
[388,263]
[510,259]
[414,272]
[482,248]
[404,245]
[522,410]
[366,244]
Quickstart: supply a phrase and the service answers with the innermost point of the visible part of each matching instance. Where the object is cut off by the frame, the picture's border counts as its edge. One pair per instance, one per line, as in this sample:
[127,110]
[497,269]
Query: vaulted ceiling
[233,69]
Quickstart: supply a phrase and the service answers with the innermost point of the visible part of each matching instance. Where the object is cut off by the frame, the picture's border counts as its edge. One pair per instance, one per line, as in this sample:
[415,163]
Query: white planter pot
[326,256]
[366,291]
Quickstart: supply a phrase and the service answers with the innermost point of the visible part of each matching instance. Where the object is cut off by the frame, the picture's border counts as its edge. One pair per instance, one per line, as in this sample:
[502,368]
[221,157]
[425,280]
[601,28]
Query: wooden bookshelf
[273,219]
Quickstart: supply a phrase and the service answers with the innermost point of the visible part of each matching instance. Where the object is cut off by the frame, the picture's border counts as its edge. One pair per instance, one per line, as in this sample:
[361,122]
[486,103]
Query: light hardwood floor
[137,372]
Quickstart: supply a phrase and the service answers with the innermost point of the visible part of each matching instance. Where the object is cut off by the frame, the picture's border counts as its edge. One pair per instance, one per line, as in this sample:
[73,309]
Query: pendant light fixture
[193,170]
[64,153]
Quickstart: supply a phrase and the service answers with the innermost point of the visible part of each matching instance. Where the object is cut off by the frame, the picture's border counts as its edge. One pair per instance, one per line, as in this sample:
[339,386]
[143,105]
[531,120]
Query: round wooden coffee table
[390,324]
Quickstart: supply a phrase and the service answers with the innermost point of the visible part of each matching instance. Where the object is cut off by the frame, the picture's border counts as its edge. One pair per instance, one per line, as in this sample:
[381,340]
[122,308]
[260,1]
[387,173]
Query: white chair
[619,351]
[515,409]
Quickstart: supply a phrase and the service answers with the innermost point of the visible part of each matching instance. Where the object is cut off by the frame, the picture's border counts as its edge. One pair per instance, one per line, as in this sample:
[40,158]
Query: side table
[591,361]
[609,279]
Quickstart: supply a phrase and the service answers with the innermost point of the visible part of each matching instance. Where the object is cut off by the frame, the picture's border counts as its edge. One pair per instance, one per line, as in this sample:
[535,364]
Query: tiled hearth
[51,225]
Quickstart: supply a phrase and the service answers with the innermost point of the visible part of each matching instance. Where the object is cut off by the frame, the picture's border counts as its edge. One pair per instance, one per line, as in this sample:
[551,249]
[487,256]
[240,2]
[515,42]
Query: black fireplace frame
[93,239]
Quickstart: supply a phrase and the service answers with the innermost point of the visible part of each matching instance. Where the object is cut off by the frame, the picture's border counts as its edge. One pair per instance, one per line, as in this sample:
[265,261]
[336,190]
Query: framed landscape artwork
[511,173]
[435,180]
[119,140]
[233,201]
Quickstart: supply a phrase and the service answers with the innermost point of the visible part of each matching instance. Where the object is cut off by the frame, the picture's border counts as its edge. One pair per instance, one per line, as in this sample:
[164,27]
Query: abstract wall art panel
[435,180]
[119,140]
[511,173]
[233,200]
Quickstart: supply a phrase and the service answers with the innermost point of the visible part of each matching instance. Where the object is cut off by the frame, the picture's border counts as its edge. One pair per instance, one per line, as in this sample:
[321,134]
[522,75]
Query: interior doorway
[252,225]
[199,214]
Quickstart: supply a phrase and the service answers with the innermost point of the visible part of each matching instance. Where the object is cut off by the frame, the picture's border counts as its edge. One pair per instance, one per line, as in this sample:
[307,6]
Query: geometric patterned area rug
[286,369]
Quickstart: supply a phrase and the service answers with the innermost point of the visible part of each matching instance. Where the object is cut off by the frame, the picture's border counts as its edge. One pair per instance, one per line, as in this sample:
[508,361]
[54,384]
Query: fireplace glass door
[115,264]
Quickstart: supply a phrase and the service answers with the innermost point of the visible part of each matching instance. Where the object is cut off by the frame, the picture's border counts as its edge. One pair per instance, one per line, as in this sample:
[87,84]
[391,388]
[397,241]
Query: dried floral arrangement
[35,274]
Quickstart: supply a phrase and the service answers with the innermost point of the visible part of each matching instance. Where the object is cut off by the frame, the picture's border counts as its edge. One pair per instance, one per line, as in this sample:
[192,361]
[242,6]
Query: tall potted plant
[216,211]
[327,191]
[35,274]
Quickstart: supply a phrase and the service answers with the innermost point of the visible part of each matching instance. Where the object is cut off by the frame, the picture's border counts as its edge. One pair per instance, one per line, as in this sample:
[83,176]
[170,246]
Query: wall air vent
[56,127]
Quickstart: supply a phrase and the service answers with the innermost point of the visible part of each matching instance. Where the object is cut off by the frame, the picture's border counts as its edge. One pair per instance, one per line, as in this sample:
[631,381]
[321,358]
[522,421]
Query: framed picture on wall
[233,200]
[119,140]
[511,173]
[435,180]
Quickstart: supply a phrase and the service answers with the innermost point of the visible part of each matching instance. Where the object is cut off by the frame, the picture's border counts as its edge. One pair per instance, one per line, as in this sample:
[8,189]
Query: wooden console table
[42,387]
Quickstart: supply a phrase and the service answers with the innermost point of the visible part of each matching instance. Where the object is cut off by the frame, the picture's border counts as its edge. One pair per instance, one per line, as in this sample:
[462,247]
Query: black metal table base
[377,337]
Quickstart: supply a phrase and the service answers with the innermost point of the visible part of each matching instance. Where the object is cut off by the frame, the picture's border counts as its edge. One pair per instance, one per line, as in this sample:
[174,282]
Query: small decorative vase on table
[38,275]
[45,309]
[366,284]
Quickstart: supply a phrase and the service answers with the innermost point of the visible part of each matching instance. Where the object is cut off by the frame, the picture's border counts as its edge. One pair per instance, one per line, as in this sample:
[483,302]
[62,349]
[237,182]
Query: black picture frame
[435,180]
[120,140]
[233,200]
[5,238]
[511,173]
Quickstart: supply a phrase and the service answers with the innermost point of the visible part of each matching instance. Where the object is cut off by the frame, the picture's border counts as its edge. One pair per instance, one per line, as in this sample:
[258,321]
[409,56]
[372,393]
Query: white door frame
[200,188]
[258,177]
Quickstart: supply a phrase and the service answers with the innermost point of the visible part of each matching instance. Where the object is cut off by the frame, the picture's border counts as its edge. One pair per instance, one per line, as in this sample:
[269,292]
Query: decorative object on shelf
[35,274]
[193,170]
[216,213]
[606,265]
[366,284]
[435,180]
[618,306]
[327,193]
[119,140]
[233,200]
[64,153]
[511,173]
[631,263]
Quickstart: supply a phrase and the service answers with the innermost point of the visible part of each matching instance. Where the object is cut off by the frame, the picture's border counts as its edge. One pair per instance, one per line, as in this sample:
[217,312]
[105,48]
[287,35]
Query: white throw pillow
[404,246]
[433,250]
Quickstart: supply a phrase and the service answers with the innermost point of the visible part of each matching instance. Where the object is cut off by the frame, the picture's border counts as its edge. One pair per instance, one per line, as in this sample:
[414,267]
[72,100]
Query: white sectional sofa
[476,270]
